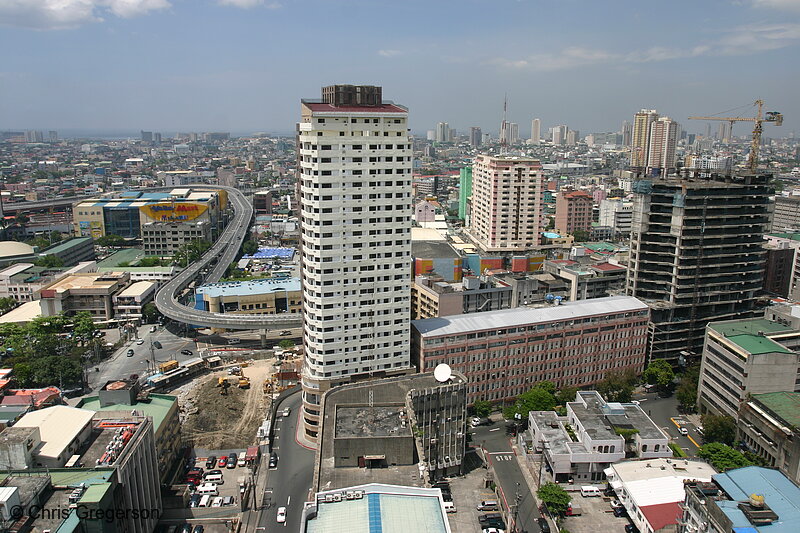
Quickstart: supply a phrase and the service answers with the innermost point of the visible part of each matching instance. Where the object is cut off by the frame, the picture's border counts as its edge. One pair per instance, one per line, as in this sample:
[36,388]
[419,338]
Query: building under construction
[697,255]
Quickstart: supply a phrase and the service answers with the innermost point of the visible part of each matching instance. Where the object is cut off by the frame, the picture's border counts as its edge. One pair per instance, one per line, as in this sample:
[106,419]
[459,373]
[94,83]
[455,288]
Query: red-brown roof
[662,514]
[383,108]
[608,267]
[577,194]
[40,396]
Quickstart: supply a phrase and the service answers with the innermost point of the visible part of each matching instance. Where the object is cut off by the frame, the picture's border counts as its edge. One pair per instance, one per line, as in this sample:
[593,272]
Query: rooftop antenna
[504,127]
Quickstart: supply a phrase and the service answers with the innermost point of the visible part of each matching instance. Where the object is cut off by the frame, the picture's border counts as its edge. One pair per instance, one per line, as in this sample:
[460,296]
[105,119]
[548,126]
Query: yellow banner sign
[178,211]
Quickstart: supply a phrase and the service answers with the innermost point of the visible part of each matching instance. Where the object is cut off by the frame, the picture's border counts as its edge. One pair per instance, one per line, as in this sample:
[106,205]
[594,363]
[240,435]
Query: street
[508,475]
[290,481]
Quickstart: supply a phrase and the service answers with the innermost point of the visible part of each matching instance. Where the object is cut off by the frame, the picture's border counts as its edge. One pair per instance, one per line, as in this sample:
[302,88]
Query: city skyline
[150,64]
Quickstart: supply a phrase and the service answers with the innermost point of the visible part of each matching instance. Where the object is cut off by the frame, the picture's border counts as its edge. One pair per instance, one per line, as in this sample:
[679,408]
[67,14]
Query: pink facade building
[506,203]
[504,353]
[573,212]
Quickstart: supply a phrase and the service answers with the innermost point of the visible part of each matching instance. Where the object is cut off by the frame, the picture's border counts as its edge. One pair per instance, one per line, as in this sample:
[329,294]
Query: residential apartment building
[640,139]
[661,147]
[616,214]
[697,255]
[573,212]
[354,154]
[744,500]
[769,425]
[90,292]
[503,352]
[506,207]
[742,357]
[596,425]
[786,217]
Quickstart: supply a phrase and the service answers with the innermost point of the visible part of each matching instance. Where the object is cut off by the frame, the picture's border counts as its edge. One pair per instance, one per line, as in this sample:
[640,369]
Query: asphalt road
[495,442]
[120,366]
[664,412]
[290,481]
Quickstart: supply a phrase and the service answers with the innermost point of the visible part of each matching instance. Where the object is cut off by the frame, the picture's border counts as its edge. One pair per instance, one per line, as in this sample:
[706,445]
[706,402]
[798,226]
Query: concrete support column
[264,338]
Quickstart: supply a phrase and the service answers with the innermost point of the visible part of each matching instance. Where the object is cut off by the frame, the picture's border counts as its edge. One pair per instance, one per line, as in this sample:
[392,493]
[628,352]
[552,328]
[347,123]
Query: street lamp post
[517,500]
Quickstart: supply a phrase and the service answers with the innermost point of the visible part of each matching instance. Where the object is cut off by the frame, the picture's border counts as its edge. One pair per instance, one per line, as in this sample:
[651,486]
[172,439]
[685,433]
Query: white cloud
[61,14]
[744,40]
[247,4]
[389,53]
[784,5]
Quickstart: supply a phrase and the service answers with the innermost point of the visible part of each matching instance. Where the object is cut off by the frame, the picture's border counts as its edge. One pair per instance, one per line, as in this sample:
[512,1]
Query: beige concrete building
[506,207]
[90,292]
[62,431]
[128,304]
[252,297]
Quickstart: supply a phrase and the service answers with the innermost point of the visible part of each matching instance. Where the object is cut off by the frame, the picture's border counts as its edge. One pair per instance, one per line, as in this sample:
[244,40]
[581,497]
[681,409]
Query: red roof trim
[383,108]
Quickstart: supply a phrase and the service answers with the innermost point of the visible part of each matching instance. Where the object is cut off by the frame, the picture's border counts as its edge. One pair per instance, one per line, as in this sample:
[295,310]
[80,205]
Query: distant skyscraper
[559,134]
[34,136]
[536,131]
[724,134]
[513,133]
[431,135]
[503,185]
[442,132]
[53,136]
[356,254]
[572,137]
[661,150]
[475,136]
[708,130]
[627,133]
[157,138]
[640,139]
[147,136]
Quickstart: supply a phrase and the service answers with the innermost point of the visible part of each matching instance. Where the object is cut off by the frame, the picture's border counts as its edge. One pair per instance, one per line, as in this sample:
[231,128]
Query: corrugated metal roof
[780,494]
[451,325]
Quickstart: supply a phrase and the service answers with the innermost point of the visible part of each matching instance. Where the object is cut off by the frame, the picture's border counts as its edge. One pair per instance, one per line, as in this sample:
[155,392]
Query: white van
[449,507]
[205,501]
[213,478]
[241,461]
[209,489]
[588,491]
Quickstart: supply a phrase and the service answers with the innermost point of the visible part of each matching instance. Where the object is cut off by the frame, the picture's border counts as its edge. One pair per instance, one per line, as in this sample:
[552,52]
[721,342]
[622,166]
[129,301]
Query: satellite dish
[442,372]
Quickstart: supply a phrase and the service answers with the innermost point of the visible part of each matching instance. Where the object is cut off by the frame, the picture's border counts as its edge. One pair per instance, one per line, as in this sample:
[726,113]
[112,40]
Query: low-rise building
[652,491]
[432,296]
[252,297]
[503,352]
[89,292]
[129,302]
[744,500]
[769,426]
[599,428]
[165,238]
[23,281]
[742,357]
[585,281]
[60,431]
[375,507]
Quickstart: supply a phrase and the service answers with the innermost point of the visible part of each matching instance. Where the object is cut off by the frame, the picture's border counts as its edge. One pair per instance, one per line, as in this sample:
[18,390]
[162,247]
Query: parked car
[273,460]
[683,431]
[544,526]
[217,502]
[232,458]
[620,511]
[130,352]
[211,461]
[194,500]
[228,500]
[630,528]
[213,473]
[139,342]
[281,518]
[475,421]
[198,529]
[286,412]
[223,461]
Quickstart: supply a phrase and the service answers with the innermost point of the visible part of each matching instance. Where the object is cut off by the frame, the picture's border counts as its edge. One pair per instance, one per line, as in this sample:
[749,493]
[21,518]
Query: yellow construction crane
[769,116]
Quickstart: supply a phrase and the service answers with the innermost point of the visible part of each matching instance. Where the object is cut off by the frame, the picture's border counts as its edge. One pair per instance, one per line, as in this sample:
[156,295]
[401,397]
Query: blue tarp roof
[780,494]
[272,253]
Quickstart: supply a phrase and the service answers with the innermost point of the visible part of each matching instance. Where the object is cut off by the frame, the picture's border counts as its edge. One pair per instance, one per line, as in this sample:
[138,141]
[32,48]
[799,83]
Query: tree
[567,394]
[660,374]
[536,399]
[189,252]
[84,328]
[150,312]
[722,457]
[581,235]
[110,240]
[56,236]
[719,428]
[249,247]
[687,391]
[49,261]
[149,261]
[21,219]
[482,408]
[7,304]
[555,498]
[617,386]
[286,344]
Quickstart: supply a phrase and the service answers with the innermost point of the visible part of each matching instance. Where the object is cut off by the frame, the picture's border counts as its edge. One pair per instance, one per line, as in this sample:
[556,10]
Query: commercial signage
[170,212]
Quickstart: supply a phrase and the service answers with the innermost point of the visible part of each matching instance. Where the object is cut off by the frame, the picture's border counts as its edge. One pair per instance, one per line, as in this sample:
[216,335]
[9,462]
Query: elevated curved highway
[223,251]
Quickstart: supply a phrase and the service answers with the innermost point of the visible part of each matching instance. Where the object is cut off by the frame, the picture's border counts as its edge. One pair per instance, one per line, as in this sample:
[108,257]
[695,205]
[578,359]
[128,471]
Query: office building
[651,491]
[513,133]
[697,255]
[431,296]
[583,281]
[743,500]
[558,134]
[475,136]
[617,215]
[166,238]
[356,243]
[256,296]
[627,133]
[464,193]
[502,352]
[742,357]
[443,132]
[506,202]
[779,269]
[769,426]
[536,131]
[786,217]
[640,137]
[661,146]
[572,137]
[573,212]
[83,292]
[598,443]
[147,136]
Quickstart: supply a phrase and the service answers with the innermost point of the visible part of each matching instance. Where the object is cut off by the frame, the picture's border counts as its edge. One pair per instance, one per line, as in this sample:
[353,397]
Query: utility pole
[517,500]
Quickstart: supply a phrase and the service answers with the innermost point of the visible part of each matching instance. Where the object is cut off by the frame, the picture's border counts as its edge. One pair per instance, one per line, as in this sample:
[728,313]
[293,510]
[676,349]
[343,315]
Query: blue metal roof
[272,253]
[780,494]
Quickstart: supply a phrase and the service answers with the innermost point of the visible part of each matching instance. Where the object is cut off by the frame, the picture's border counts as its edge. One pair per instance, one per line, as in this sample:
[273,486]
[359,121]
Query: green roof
[94,493]
[66,245]
[792,236]
[745,334]
[126,255]
[164,270]
[784,404]
[601,246]
[157,407]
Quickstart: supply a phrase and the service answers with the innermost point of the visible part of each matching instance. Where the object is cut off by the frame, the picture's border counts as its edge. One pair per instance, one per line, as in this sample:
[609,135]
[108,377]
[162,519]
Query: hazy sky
[243,65]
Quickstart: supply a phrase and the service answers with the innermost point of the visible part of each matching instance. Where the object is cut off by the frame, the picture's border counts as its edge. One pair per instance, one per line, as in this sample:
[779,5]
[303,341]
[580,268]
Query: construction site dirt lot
[215,421]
